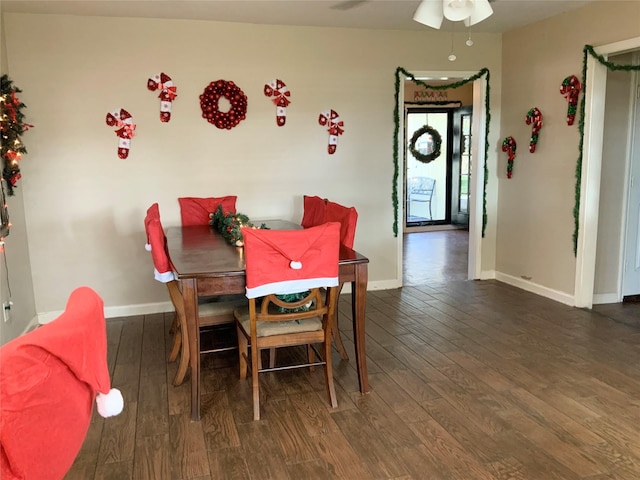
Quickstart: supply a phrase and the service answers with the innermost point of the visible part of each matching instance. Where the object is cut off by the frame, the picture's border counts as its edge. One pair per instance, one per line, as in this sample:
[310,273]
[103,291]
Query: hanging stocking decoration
[331,119]
[509,146]
[570,88]
[534,117]
[126,131]
[280,97]
[168,93]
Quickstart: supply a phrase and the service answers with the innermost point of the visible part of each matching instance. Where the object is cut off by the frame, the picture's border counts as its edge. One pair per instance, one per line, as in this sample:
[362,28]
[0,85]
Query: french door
[437,189]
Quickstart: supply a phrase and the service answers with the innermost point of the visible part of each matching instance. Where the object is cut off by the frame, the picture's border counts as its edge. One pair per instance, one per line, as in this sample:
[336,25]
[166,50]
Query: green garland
[12,126]
[229,225]
[396,117]
[588,49]
[437,144]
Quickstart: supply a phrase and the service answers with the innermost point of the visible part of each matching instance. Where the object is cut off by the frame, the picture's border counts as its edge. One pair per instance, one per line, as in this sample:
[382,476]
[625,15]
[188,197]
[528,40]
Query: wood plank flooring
[469,380]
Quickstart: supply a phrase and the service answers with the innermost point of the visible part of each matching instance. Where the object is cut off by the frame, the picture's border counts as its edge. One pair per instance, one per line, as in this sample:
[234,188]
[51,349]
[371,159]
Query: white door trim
[478,130]
[594,96]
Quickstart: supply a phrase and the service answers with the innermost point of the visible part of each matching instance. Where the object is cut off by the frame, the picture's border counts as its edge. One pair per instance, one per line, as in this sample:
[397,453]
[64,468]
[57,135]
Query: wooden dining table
[207,265]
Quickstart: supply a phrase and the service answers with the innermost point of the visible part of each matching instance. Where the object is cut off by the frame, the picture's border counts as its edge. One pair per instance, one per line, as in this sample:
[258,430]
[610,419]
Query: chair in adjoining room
[209,313]
[421,190]
[318,211]
[280,263]
[196,210]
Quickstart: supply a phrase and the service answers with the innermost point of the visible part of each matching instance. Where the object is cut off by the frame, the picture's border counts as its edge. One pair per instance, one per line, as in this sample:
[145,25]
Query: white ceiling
[373,14]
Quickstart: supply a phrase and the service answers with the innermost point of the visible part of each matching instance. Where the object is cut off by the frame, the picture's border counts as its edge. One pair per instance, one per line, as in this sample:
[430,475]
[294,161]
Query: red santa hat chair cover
[49,380]
[347,217]
[210,313]
[314,210]
[289,261]
[196,211]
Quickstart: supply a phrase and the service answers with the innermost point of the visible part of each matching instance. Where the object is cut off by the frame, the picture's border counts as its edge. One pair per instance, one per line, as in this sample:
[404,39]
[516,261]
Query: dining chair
[280,263]
[197,211]
[209,313]
[317,211]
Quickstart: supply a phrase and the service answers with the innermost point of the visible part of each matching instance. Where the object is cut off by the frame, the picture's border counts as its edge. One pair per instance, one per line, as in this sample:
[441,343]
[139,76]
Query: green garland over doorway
[401,72]
[588,50]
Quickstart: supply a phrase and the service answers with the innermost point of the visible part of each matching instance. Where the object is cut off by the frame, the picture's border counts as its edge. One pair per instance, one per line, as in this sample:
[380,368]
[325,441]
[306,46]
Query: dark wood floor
[470,380]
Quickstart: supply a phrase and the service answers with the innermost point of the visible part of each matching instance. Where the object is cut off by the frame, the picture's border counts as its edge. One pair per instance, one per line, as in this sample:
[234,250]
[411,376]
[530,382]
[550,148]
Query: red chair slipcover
[347,217]
[48,385]
[195,211]
[289,261]
[313,211]
[157,244]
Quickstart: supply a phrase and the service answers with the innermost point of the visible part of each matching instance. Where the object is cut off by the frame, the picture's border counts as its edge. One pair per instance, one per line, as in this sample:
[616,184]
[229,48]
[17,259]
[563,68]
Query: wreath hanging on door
[426,149]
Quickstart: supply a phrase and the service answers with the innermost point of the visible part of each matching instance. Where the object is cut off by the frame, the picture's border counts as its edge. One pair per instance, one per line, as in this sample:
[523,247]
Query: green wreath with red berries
[436,143]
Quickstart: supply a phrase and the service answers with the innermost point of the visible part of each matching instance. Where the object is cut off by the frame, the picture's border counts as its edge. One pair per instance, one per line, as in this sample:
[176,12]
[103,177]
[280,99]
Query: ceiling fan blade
[347,4]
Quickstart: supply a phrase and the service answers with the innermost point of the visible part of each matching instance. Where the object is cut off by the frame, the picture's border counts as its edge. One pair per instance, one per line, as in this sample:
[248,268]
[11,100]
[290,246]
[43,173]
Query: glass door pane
[427,188]
[465,164]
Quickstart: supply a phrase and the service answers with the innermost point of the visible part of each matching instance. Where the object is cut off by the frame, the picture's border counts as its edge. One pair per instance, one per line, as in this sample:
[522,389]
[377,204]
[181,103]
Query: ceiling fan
[433,12]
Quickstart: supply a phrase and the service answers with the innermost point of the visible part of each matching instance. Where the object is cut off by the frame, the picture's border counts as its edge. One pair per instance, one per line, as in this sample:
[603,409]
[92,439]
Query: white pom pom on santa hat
[110,404]
[147,247]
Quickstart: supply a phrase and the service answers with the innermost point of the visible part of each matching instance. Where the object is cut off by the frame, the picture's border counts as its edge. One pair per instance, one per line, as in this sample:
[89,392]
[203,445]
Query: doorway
[590,188]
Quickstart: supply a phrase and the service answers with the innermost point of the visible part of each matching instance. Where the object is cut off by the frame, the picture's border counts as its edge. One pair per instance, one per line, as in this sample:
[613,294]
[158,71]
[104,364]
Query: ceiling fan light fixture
[430,13]
[481,11]
[458,10]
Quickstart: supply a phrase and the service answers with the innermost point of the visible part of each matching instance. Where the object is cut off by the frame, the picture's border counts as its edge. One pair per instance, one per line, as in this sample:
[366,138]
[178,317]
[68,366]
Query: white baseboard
[601,298]
[32,325]
[119,311]
[556,295]
[488,275]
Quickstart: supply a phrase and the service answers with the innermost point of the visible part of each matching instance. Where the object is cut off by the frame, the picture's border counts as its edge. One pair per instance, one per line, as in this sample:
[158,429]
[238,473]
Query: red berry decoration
[209,104]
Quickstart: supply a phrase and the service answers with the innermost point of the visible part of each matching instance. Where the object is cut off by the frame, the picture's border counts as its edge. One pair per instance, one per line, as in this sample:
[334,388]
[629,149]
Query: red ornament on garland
[570,88]
[121,118]
[211,110]
[534,116]
[509,146]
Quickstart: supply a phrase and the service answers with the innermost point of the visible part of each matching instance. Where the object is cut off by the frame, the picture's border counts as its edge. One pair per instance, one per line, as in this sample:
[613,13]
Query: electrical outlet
[6,311]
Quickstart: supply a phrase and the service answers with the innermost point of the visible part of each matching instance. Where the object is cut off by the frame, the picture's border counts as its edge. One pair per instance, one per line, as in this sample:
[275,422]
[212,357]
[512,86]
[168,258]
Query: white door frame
[478,131]
[594,96]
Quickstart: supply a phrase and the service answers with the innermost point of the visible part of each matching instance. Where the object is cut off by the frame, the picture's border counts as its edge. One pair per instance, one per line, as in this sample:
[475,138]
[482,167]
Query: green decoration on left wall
[12,127]
[401,72]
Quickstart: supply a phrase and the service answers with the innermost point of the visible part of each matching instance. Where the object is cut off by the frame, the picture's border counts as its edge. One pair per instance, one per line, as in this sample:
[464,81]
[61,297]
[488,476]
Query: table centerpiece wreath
[209,103]
[229,225]
[436,143]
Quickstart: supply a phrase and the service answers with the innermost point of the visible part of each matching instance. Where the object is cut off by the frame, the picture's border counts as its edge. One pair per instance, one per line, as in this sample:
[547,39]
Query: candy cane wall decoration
[332,120]
[121,118]
[534,117]
[280,97]
[168,93]
[509,146]
[570,88]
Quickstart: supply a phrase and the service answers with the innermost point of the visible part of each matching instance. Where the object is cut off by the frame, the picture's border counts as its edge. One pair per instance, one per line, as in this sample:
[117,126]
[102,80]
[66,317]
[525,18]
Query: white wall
[535,219]
[15,267]
[84,207]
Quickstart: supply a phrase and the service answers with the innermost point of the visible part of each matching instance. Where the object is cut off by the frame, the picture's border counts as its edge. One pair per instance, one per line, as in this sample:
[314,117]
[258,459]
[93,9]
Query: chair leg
[335,331]
[243,351]
[272,357]
[183,365]
[175,348]
[328,375]
[255,355]
[174,324]
[311,357]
